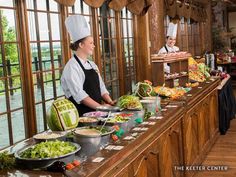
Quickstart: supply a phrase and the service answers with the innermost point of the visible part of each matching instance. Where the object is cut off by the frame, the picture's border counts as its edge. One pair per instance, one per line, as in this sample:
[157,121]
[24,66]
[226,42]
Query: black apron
[167,52]
[166,49]
[91,87]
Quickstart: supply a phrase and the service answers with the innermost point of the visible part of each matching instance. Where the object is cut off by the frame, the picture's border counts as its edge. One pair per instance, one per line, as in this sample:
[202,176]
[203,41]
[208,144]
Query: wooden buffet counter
[181,138]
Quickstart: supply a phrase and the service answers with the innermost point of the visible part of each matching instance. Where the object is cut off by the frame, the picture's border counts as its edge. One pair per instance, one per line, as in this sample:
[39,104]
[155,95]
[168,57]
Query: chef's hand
[112,102]
[105,104]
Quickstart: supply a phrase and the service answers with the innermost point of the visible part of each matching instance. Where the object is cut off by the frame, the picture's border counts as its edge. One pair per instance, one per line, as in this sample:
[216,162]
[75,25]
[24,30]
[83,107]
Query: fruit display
[191,61]
[198,71]
[129,102]
[163,91]
[144,89]
[204,69]
[172,93]
[192,84]
[197,76]
[62,115]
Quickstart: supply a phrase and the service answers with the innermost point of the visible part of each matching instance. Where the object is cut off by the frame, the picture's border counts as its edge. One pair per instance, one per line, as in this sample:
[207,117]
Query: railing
[35,63]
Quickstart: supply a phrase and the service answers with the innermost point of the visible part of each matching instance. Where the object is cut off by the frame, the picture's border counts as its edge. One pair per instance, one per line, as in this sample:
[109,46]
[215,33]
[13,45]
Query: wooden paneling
[222,153]
[120,56]
[156,23]
[200,129]
[160,157]
[142,39]
[208,25]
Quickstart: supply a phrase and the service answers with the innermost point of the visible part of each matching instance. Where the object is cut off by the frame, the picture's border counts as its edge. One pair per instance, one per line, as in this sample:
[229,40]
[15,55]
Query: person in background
[81,80]
[170,47]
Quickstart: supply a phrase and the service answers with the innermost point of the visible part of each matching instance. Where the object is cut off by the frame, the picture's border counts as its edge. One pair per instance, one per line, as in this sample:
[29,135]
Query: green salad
[118,118]
[48,149]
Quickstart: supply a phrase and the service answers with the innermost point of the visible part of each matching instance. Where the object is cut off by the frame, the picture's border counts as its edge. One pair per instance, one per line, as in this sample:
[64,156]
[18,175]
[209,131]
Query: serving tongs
[108,116]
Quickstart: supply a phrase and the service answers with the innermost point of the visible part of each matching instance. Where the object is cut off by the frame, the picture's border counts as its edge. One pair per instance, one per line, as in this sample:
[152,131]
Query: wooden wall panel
[208,25]
[157,30]
[142,49]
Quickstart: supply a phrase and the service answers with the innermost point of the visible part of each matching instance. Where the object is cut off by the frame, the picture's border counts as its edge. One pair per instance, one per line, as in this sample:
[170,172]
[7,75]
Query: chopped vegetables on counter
[7,161]
[118,118]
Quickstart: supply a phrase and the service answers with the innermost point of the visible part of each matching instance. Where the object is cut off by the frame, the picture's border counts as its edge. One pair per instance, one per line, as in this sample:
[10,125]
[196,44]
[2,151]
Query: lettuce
[48,149]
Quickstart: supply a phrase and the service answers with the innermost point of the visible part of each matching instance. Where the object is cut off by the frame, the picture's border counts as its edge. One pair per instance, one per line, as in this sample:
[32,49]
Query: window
[45,43]
[108,46]
[183,36]
[11,97]
[46,59]
[128,48]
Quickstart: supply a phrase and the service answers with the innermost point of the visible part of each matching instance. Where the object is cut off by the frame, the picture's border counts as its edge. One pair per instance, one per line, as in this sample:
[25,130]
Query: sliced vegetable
[114,137]
[76,163]
[116,127]
[69,166]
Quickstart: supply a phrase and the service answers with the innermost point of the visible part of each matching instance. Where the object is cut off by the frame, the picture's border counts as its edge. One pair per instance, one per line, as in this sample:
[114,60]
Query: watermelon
[62,115]
[144,89]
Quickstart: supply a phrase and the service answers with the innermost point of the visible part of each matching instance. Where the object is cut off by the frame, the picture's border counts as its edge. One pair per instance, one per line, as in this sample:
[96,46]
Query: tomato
[114,137]
[76,163]
[126,114]
[69,166]
[116,127]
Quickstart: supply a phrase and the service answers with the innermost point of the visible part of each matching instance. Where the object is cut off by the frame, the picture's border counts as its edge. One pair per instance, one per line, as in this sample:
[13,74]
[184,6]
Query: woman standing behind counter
[81,80]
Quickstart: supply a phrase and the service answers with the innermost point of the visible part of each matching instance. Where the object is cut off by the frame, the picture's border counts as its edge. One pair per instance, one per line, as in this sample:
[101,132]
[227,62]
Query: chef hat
[172,30]
[77,27]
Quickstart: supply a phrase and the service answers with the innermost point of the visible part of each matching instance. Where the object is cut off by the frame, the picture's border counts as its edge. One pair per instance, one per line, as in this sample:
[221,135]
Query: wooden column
[208,25]
[26,64]
[120,56]
[97,52]
[66,52]
[156,22]
[142,49]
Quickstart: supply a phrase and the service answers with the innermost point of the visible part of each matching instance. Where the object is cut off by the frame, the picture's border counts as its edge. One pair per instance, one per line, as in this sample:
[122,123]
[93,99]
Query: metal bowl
[29,163]
[90,143]
[105,137]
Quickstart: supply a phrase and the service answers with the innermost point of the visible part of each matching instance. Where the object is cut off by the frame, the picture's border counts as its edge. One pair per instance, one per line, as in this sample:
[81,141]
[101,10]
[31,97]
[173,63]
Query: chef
[170,47]
[81,80]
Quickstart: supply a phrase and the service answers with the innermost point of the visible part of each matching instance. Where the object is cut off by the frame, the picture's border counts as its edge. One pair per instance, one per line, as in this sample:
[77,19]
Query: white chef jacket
[170,50]
[73,77]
